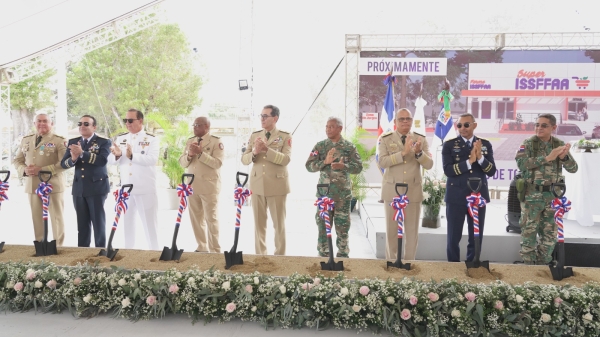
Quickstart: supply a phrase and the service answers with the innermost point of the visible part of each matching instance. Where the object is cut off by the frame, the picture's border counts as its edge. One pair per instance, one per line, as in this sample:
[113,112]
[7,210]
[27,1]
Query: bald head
[201,126]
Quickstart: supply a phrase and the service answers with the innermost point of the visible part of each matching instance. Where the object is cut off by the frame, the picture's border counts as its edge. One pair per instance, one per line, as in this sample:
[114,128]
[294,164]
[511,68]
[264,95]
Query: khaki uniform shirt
[47,155]
[206,166]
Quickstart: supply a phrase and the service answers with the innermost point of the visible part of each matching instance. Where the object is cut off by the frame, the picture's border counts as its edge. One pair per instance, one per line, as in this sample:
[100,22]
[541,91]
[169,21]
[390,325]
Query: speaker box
[582,254]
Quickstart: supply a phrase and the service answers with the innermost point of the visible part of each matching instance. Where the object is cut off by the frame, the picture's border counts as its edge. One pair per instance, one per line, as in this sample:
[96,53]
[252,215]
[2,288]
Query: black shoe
[519,262]
[380,201]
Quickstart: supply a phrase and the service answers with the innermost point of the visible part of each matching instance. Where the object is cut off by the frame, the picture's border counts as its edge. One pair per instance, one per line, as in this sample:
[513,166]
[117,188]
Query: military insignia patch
[521,148]
[314,153]
[290,142]
[221,146]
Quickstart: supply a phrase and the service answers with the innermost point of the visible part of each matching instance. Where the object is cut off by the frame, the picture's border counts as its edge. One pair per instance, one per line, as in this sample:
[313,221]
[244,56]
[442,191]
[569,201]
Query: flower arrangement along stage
[408,307]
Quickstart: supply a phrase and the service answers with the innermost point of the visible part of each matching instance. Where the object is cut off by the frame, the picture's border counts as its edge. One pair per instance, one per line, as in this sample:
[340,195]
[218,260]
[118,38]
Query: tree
[26,98]
[153,71]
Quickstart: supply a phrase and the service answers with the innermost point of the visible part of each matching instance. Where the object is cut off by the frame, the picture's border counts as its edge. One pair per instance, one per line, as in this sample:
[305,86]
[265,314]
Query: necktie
[199,140]
[268,134]
[469,144]
[85,144]
[38,140]
[403,139]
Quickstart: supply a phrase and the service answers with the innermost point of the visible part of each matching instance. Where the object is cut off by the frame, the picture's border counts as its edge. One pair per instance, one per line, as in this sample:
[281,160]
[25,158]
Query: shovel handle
[401,185]
[187,175]
[128,186]
[237,178]
[45,172]
[475,180]
[325,186]
[561,186]
[7,175]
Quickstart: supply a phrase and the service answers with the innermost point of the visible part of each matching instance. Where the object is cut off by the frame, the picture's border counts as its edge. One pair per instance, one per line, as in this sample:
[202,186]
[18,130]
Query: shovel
[233,257]
[475,215]
[3,188]
[400,199]
[325,204]
[557,266]
[121,206]
[45,248]
[183,190]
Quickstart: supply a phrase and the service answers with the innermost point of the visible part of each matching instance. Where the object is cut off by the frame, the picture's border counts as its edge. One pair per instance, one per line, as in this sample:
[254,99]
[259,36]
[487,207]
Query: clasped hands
[76,150]
[330,158]
[116,150]
[194,149]
[259,146]
[410,146]
[475,152]
[559,152]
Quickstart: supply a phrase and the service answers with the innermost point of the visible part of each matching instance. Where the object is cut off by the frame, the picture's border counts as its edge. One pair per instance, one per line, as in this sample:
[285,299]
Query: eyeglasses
[265,116]
[404,119]
[543,125]
[196,124]
[83,123]
[466,125]
[129,120]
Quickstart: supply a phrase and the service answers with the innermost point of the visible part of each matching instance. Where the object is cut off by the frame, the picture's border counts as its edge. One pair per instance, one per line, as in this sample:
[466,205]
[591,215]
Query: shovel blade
[2,247]
[45,248]
[233,258]
[110,253]
[398,264]
[166,255]
[476,264]
[559,273]
[334,266]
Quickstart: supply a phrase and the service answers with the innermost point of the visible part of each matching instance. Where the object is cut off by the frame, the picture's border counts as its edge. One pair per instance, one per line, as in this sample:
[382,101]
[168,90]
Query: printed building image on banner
[505,90]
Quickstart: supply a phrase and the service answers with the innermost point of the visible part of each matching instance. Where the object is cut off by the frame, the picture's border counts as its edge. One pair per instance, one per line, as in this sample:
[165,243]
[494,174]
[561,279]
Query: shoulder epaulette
[28,136]
[257,131]
[482,138]
[215,137]
[418,134]
[74,138]
[451,139]
[59,136]
[287,133]
[149,134]
[101,137]
[191,137]
[122,134]
[387,134]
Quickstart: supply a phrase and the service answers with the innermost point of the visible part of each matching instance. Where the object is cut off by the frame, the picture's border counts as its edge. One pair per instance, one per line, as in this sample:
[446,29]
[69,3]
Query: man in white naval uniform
[136,154]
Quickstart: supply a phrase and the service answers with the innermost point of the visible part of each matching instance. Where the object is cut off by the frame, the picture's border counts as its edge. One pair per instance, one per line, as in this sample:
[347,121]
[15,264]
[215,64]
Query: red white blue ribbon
[3,189]
[474,202]
[121,197]
[325,204]
[240,195]
[43,191]
[399,203]
[183,191]
[560,206]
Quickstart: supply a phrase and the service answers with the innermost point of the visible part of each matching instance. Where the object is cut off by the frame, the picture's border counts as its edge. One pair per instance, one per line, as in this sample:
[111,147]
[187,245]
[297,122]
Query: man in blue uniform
[465,157]
[88,155]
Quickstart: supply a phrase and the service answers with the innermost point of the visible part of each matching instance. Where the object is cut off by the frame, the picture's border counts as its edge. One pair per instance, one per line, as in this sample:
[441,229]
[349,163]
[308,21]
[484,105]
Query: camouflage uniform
[339,190]
[537,216]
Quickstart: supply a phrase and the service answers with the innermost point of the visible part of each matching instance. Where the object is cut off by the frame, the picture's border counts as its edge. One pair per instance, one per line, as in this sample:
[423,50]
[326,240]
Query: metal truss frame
[355,43]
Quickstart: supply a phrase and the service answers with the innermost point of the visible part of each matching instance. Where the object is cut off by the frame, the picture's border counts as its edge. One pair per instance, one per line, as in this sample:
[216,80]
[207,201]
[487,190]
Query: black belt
[541,188]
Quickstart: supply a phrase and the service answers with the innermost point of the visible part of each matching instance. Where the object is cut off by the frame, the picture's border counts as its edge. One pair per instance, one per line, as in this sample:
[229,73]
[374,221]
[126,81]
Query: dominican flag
[444,125]
[386,122]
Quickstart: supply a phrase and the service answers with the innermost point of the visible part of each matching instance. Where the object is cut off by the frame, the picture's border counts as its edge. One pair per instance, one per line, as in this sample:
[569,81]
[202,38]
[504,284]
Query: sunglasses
[404,119]
[265,116]
[129,120]
[543,125]
[466,125]
[83,123]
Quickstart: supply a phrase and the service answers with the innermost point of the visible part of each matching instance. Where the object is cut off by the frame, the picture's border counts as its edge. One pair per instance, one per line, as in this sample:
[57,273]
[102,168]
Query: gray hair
[43,114]
[337,120]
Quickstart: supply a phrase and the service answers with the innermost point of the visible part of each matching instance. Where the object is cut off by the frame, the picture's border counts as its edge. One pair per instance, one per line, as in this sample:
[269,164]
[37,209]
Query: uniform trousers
[455,214]
[203,214]
[144,205]
[276,206]
[90,213]
[410,237]
[57,204]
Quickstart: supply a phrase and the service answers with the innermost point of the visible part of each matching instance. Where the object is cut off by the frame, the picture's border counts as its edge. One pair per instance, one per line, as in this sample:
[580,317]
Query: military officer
[336,158]
[88,154]
[136,154]
[402,154]
[269,151]
[464,157]
[541,159]
[203,157]
[43,151]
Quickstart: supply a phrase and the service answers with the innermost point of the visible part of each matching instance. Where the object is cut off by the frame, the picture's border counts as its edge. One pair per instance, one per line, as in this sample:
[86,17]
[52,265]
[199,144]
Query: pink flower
[405,314]
[30,276]
[317,281]
[249,288]
[304,286]
[18,286]
[499,305]
[150,300]
[558,301]
[470,296]
[76,281]
[173,288]
[230,307]
[413,300]
[364,290]
[51,284]
[433,297]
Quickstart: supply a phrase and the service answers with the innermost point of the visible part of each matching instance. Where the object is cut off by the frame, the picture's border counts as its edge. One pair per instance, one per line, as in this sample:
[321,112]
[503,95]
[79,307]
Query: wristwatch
[565,158]
[418,155]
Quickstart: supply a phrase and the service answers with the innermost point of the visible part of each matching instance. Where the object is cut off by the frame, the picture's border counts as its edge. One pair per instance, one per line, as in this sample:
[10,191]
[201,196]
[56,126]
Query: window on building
[475,109]
[486,110]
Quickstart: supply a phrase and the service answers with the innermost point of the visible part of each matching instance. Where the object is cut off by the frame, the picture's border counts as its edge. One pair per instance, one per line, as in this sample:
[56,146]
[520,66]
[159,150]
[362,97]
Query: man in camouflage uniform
[540,159]
[336,158]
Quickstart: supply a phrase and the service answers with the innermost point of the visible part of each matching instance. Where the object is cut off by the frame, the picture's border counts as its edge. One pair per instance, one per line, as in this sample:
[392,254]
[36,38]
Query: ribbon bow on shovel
[121,197]
[560,205]
[44,247]
[240,194]
[399,203]
[183,192]
[474,202]
[326,206]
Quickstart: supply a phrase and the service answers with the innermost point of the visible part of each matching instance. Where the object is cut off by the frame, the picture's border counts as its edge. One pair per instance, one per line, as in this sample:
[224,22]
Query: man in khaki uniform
[203,157]
[402,154]
[43,151]
[269,149]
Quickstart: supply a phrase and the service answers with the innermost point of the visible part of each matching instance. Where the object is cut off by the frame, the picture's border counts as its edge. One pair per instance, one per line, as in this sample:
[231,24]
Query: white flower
[282,289]
[356,308]
[455,313]
[63,272]
[519,298]
[344,291]
[226,285]
[178,275]
[191,281]
[588,317]
[425,195]
[157,280]
[10,284]
[253,309]
[87,298]
[566,294]
[113,283]
[122,282]
[137,276]
[390,300]
[256,280]
[125,302]
[545,318]
[38,284]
